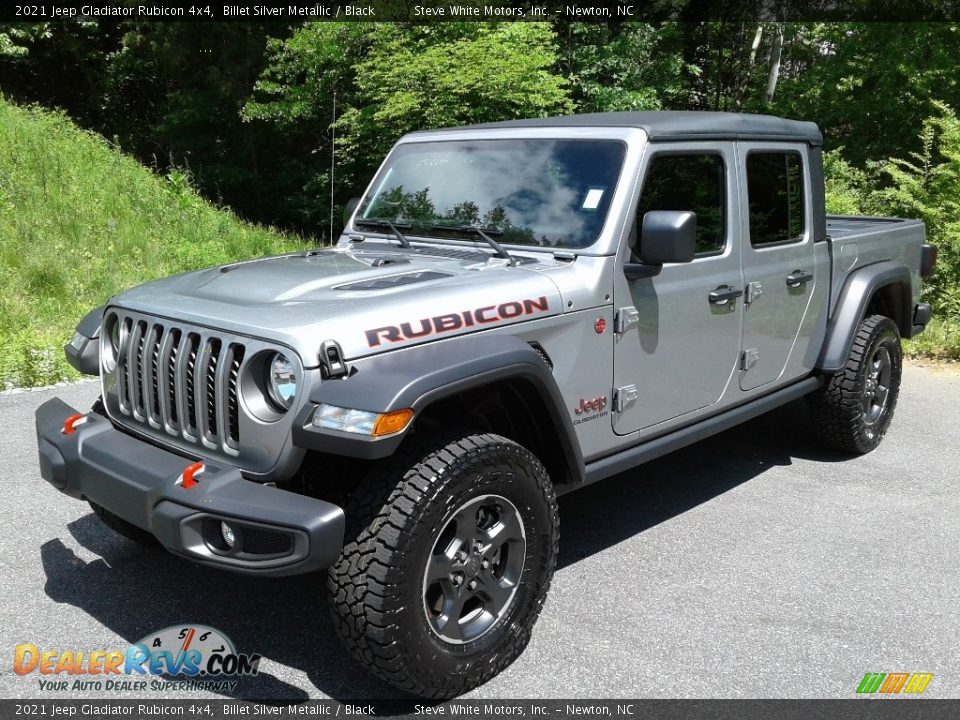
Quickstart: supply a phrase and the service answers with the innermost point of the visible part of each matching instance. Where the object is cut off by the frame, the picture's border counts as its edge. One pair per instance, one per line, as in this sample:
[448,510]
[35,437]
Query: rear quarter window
[775,196]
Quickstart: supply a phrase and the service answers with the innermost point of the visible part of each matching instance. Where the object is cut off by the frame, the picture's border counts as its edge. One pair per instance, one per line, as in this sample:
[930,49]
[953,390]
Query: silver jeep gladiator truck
[514,310]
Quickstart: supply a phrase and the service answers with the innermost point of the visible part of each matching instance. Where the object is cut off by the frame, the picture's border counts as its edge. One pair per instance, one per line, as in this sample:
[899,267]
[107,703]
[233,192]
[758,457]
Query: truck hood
[369,299]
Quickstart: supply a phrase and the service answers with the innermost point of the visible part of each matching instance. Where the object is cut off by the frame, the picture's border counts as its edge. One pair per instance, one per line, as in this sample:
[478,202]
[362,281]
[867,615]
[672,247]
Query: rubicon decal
[456,321]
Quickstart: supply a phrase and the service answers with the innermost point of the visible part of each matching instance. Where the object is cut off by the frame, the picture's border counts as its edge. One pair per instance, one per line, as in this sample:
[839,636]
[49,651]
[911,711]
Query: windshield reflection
[553,193]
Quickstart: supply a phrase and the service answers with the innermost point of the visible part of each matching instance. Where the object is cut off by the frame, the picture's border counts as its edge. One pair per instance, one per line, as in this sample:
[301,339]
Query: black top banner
[423,11]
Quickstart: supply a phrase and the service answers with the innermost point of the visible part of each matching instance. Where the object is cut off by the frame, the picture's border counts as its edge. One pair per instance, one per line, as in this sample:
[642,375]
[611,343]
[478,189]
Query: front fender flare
[85,356]
[417,377]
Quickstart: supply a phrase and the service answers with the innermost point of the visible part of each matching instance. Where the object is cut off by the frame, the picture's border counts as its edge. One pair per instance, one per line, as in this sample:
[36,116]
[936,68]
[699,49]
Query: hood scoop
[393,281]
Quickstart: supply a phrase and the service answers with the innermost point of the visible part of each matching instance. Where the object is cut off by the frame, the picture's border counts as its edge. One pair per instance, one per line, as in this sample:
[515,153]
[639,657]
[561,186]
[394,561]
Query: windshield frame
[607,239]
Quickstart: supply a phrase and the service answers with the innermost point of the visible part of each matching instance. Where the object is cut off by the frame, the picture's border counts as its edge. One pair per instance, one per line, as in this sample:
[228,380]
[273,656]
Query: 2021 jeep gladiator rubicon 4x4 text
[513,311]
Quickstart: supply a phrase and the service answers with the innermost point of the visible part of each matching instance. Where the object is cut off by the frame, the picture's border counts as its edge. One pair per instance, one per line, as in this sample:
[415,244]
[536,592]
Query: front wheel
[853,410]
[449,554]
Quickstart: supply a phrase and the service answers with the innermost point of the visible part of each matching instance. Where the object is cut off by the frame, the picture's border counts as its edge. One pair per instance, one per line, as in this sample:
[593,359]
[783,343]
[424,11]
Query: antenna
[333,149]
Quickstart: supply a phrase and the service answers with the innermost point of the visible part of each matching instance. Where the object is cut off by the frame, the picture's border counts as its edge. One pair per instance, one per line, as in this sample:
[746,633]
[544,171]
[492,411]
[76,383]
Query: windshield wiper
[390,226]
[482,233]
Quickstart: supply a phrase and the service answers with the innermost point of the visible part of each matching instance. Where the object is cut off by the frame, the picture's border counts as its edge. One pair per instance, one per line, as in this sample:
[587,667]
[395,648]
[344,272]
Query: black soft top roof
[662,126]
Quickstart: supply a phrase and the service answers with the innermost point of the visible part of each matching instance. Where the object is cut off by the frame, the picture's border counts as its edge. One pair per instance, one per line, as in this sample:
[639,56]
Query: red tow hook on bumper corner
[70,424]
[188,478]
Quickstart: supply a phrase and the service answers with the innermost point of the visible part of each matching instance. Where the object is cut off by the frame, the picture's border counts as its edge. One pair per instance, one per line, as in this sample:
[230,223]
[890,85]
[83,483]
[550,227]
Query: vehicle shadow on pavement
[669,486]
[132,590]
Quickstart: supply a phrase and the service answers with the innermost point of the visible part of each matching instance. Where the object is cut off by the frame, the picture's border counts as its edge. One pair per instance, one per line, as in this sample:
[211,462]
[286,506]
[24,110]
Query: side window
[690,182]
[775,196]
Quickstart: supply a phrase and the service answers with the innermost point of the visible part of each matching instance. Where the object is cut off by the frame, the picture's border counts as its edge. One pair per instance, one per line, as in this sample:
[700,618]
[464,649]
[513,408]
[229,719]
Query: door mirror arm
[638,271]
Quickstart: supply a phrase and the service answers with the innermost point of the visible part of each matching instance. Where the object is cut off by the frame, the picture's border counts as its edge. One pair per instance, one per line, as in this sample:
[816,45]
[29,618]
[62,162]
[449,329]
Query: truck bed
[845,227]
[860,240]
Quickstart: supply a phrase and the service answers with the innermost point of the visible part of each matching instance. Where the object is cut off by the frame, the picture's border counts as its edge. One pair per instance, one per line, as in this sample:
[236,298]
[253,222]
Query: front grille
[180,380]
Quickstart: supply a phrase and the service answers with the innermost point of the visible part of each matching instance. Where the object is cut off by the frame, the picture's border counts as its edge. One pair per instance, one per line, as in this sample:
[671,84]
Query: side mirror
[349,208]
[666,236]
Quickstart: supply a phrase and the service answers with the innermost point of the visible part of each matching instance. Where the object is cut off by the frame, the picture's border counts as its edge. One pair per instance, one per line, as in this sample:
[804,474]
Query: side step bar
[652,449]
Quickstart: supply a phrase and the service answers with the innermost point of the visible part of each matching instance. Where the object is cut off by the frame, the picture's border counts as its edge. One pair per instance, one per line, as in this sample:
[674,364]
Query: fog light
[228,536]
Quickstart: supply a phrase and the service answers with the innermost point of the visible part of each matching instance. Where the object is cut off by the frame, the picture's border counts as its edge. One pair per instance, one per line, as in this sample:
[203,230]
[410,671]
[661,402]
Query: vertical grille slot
[190,358]
[210,375]
[172,346]
[135,368]
[151,361]
[233,400]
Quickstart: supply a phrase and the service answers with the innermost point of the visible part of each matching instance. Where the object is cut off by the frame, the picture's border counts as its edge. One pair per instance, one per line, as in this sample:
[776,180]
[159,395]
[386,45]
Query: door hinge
[749,358]
[624,397]
[626,318]
[753,291]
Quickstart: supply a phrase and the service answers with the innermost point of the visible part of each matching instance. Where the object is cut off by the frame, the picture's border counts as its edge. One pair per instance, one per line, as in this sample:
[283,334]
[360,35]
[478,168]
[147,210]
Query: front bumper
[277,532]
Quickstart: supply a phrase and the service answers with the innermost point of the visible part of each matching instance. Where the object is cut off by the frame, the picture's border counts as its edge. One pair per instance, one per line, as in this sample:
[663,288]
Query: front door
[778,259]
[678,348]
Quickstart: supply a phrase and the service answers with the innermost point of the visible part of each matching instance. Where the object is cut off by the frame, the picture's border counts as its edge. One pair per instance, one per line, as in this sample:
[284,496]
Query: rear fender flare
[851,308]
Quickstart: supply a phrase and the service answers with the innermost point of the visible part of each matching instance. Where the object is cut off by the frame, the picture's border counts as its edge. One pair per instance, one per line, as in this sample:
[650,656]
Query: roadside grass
[940,341]
[79,222]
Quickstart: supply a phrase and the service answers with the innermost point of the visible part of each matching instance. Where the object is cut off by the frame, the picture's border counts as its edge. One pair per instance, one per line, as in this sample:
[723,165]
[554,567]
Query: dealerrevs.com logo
[191,657]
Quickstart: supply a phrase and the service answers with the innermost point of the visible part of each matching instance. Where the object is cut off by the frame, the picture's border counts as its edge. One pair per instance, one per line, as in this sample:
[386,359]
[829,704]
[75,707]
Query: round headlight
[282,381]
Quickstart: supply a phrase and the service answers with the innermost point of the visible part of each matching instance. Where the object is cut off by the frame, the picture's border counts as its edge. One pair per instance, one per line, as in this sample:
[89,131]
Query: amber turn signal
[392,422]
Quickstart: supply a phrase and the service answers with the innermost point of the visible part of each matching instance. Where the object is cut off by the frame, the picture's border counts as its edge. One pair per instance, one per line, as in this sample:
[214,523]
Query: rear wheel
[853,410]
[449,554]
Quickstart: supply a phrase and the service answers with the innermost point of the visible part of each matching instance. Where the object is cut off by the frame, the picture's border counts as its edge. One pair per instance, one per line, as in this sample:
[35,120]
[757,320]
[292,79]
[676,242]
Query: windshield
[553,193]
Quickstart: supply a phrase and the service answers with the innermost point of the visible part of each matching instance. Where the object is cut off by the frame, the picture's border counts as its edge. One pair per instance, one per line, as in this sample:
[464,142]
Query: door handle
[723,294]
[798,278]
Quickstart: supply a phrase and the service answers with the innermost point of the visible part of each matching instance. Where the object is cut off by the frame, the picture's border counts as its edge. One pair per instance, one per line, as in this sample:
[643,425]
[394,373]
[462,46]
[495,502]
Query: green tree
[623,66]
[871,85]
[430,76]
[927,186]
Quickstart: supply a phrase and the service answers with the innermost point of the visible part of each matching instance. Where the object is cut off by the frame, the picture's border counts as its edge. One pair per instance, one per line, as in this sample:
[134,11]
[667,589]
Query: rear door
[778,258]
[678,350]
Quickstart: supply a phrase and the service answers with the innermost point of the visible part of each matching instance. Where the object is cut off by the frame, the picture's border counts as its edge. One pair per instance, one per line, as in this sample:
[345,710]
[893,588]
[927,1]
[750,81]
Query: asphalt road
[754,564]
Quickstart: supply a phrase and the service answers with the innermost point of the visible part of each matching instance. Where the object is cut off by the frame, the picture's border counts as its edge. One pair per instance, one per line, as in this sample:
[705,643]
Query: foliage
[927,186]
[624,66]
[871,85]
[79,221]
[847,188]
[430,76]
[940,340]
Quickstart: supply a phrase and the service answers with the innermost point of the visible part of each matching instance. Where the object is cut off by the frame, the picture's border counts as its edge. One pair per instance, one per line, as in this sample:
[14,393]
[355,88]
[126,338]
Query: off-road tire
[394,518]
[122,527]
[840,420]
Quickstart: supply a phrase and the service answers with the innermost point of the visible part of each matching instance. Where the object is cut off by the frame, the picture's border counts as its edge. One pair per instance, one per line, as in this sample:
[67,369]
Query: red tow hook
[70,424]
[188,478]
